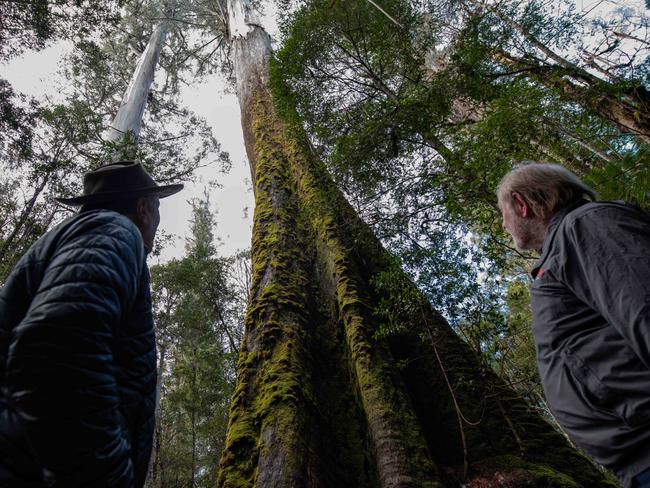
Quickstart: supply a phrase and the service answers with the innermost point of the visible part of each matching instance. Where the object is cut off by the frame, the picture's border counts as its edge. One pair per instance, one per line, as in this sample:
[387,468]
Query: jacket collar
[553,226]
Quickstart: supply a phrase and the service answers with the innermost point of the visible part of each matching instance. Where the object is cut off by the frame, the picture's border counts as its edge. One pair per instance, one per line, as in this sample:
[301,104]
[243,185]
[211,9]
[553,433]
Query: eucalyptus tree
[135,52]
[342,381]
[48,145]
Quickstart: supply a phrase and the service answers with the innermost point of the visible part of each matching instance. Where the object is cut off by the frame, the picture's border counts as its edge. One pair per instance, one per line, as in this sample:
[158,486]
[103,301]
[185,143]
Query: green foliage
[382,103]
[33,160]
[17,117]
[37,23]
[627,179]
[418,124]
[199,320]
[46,147]
[521,350]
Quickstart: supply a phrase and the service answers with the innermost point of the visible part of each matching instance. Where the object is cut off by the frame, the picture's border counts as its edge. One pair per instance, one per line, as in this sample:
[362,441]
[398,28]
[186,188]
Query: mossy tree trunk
[321,400]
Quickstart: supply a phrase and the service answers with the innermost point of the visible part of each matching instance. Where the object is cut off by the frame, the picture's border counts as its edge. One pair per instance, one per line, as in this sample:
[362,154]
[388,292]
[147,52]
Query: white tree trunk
[126,124]
[251,50]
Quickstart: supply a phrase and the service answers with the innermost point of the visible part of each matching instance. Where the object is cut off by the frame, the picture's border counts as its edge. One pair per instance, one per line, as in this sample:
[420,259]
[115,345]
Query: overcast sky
[34,74]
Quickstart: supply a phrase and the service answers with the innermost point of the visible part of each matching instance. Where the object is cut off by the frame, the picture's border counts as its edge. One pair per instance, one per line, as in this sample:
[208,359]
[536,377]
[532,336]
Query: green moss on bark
[322,398]
[399,447]
[270,410]
[285,409]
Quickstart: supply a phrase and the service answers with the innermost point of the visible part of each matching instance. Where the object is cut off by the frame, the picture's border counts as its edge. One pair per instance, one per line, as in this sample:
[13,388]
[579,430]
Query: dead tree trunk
[321,400]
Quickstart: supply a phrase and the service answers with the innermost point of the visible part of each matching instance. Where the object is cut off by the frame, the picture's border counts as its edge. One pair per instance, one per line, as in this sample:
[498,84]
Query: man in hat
[77,348]
[590,301]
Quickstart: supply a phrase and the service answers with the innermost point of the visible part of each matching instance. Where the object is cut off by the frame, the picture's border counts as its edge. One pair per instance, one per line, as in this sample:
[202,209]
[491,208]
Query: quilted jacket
[78,358]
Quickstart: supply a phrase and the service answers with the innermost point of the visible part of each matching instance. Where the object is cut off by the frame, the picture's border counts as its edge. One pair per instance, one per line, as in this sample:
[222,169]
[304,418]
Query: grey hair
[545,187]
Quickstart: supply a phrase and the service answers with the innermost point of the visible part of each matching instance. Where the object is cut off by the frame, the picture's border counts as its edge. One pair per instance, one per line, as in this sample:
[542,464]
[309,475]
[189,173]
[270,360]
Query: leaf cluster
[199,319]
[33,25]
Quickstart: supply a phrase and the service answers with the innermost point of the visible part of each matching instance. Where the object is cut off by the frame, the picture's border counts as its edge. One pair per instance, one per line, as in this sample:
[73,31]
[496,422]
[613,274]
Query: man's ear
[520,205]
[142,210]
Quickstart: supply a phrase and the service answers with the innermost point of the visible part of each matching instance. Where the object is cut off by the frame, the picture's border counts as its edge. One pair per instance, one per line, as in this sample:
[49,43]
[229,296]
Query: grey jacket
[591,325]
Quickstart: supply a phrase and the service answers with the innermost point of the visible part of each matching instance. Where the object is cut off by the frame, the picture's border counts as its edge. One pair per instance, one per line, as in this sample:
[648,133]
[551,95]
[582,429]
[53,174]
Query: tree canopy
[32,25]
[48,144]
[419,108]
[416,108]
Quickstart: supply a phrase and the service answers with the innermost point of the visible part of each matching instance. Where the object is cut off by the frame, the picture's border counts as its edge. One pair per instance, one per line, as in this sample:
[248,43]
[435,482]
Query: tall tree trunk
[155,466]
[124,131]
[193,397]
[321,399]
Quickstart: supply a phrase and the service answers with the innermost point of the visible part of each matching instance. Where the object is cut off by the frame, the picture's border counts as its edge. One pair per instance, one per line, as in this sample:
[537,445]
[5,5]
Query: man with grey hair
[590,299]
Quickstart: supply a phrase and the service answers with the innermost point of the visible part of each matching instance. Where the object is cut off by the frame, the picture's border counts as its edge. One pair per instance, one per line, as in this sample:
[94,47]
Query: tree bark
[155,468]
[126,125]
[322,398]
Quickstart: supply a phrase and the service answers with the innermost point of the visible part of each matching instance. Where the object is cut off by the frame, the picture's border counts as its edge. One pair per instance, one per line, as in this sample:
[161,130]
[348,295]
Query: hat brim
[159,191]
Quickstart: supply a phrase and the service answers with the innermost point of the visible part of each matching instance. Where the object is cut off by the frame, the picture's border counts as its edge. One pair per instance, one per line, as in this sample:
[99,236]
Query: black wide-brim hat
[124,180]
